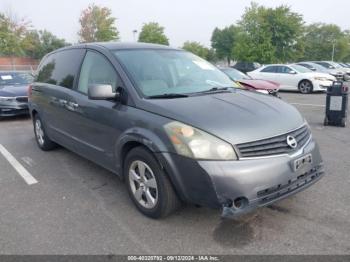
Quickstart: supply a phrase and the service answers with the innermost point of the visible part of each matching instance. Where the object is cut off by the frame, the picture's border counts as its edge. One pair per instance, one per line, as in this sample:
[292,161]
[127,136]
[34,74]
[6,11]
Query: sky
[183,20]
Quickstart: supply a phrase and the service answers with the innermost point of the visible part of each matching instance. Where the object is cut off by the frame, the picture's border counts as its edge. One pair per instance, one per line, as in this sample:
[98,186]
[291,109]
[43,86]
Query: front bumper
[322,85]
[14,109]
[257,182]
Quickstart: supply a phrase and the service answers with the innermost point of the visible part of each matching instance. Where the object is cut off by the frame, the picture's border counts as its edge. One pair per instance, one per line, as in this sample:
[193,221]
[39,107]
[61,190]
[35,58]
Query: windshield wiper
[170,95]
[214,90]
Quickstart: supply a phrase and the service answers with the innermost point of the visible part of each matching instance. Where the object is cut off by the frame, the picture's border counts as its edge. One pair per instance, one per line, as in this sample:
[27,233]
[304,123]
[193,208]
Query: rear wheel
[43,141]
[148,185]
[305,87]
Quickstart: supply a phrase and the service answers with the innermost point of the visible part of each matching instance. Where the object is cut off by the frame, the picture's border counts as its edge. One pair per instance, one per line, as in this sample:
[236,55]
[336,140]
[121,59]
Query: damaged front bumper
[241,186]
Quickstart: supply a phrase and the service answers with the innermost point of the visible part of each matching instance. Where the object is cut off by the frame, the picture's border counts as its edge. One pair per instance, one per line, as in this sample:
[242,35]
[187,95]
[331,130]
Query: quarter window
[61,68]
[96,69]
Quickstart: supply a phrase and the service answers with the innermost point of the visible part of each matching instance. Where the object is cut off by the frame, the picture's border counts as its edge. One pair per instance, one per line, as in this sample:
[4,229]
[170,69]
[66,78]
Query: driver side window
[96,69]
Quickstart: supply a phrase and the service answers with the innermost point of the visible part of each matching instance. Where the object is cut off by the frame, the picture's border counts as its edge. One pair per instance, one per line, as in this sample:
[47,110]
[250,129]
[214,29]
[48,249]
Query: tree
[38,43]
[97,24]
[253,39]
[196,48]
[12,31]
[222,41]
[269,35]
[286,31]
[153,33]
[319,40]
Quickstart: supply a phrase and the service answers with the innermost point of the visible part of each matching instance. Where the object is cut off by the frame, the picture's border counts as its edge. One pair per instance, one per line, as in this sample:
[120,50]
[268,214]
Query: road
[76,207]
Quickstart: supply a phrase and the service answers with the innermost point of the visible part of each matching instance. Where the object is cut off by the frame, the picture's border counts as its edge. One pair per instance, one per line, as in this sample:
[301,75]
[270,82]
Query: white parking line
[301,104]
[30,180]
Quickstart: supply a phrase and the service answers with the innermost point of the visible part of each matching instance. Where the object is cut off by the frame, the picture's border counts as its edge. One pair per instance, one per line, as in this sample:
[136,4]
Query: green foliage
[97,24]
[38,43]
[269,35]
[196,48]
[222,41]
[153,33]
[16,39]
[11,35]
[319,39]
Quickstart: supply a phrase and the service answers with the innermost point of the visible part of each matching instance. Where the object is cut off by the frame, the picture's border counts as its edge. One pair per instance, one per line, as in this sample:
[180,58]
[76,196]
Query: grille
[274,145]
[22,99]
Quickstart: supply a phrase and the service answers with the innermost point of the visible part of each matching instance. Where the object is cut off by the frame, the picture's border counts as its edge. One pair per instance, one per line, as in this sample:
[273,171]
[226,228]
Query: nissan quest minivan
[173,126]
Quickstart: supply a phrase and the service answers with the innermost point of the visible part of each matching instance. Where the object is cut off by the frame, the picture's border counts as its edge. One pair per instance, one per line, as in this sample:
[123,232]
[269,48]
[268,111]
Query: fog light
[240,202]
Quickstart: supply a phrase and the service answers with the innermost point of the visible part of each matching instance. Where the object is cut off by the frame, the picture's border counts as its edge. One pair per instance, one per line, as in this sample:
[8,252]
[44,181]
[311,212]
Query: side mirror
[101,92]
[292,72]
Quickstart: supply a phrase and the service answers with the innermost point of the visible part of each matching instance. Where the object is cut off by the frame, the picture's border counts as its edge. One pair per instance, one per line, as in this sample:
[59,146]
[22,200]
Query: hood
[260,84]
[335,72]
[10,91]
[236,117]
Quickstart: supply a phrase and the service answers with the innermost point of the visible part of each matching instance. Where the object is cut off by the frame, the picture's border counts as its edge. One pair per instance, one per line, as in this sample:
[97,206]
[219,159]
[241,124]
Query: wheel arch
[134,138]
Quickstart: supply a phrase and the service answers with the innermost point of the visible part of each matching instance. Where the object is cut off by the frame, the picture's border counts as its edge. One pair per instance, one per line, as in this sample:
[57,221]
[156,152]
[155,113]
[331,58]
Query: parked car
[344,65]
[338,74]
[13,92]
[294,77]
[332,65]
[246,66]
[173,127]
[262,86]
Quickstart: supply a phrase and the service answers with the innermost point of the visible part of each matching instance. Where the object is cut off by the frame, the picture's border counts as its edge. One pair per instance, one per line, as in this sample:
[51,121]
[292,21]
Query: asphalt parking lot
[76,207]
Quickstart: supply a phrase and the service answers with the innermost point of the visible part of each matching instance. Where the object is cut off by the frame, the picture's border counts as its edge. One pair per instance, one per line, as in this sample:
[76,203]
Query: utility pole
[333,51]
[134,34]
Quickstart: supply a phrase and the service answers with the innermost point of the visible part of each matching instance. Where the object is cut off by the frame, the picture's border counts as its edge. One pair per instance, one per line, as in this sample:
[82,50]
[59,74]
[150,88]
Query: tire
[155,198]
[305,87]
[43,141]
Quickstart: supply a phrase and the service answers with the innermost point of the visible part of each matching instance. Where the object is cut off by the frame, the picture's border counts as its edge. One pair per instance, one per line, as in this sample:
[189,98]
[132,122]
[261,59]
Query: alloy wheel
[305,87]
[143,184]
[39,132]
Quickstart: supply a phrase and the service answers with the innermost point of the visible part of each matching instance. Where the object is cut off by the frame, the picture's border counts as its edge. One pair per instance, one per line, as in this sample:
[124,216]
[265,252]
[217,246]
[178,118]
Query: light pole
[134,34]
[333,51]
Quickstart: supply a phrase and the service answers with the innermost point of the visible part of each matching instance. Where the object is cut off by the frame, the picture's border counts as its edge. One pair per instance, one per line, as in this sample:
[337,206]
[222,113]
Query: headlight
[7,99]
[192,142]
[262,91]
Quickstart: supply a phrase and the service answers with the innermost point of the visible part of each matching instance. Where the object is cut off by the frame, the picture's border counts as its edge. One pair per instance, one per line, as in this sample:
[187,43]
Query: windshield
[235,74]
[318,67]
[158,72]
[326,65]
[15,78]
[300,69]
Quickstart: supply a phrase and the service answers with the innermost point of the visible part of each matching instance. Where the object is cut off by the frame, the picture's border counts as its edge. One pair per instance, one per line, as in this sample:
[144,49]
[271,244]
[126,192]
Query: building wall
[18,63]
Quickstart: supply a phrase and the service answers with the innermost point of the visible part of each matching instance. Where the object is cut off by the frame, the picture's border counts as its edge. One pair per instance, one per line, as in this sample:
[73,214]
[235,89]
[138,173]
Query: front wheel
[148,185]
[305,87]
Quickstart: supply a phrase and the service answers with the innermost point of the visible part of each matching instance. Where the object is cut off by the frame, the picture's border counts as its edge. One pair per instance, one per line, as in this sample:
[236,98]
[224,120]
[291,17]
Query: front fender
[143,136]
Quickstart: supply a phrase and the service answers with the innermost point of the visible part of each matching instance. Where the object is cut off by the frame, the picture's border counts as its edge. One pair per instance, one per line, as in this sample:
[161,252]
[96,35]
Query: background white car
[294,77]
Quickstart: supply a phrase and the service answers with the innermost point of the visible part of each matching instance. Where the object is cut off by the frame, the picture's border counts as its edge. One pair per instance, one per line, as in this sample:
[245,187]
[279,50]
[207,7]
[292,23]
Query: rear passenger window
[61,68]
[96,69]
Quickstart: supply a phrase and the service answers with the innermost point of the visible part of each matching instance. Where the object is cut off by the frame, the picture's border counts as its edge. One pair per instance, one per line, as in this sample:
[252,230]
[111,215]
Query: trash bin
[336,104]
